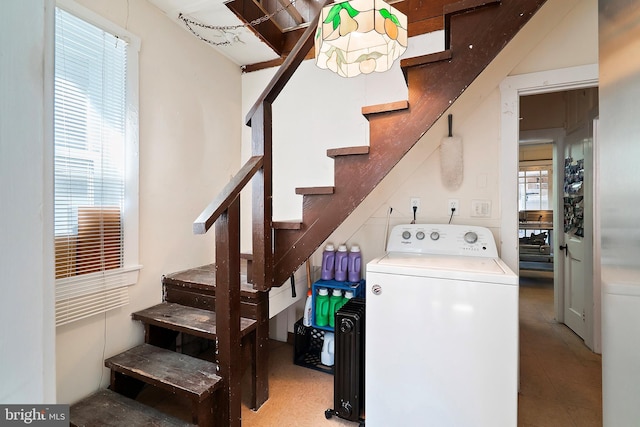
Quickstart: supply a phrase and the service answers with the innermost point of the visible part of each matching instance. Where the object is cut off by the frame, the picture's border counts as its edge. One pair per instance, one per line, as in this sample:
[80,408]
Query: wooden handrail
[228,194]
[224,211]
[290,65]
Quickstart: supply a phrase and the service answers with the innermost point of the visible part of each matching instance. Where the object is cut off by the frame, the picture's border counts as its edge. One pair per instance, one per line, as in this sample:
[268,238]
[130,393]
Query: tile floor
[560,378]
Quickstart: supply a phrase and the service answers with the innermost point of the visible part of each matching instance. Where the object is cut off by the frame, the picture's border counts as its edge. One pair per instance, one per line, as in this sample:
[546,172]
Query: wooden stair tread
[204,277]
[430,58]
[348,151]
[110,409]
[385,108]
[315,190]
[175,372]
[190,320]
[466,5]
[287,225]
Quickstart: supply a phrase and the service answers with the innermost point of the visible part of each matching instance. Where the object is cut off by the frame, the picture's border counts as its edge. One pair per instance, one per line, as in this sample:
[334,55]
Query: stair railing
[259,118]
[224,212]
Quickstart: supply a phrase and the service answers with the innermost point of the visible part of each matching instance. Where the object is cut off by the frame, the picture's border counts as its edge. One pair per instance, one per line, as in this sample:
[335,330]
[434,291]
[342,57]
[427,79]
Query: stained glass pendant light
[360,37]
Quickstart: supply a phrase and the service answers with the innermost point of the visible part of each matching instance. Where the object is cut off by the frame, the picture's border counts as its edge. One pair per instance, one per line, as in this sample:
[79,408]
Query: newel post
[261,145]
[227,229]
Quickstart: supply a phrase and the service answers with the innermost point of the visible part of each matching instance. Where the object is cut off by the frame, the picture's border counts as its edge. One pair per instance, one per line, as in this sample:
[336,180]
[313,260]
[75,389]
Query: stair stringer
[433,88]
[423,150]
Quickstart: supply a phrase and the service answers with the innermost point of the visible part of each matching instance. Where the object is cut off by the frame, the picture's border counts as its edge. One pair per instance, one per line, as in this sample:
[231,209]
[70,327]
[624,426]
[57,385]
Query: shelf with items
[357,288]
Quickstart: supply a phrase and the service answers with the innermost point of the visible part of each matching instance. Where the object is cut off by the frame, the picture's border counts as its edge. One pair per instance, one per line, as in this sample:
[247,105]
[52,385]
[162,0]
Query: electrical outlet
[415,202]
[453,204]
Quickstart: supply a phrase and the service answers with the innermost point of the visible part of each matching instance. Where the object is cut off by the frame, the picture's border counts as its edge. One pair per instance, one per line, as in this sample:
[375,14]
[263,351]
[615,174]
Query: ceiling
[267,44]
[245,46]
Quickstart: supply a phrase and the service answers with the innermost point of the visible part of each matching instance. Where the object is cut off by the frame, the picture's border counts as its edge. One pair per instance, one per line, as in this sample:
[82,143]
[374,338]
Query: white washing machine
[441,330]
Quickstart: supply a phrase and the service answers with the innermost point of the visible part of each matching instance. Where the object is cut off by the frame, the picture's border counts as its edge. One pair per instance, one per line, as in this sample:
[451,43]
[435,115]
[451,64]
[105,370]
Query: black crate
[307,346]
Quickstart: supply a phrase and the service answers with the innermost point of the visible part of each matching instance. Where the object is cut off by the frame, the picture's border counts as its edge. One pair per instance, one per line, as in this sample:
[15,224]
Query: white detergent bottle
[306,316]
[327,356]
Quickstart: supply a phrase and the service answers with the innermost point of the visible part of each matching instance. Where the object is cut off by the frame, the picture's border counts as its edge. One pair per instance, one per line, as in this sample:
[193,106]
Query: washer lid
[479,269]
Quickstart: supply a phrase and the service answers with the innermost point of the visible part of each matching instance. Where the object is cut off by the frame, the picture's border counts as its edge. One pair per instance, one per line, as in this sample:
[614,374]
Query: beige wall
[189,100]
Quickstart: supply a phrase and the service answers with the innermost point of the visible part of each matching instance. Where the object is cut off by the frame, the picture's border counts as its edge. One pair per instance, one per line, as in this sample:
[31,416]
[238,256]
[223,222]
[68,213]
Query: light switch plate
[481,208]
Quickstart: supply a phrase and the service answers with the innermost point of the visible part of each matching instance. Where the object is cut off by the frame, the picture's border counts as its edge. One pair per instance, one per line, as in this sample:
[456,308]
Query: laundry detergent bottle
[322,307]
[335,302]
[328,262]
[306,316]
[342,260]
[327,355]
[355,264]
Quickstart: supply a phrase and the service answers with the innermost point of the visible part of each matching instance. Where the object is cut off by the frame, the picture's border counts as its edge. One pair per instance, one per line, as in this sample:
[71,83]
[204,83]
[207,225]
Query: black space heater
[348,381]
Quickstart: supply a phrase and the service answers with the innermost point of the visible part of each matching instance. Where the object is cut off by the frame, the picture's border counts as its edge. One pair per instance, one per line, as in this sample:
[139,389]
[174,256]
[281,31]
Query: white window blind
[90,136]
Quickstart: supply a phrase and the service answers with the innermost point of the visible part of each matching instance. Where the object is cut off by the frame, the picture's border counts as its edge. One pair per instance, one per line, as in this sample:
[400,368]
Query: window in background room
[533,188]
[535,194]
[95,163]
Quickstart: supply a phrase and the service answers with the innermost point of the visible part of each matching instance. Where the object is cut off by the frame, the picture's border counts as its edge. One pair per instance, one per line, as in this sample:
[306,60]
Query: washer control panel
[444,239]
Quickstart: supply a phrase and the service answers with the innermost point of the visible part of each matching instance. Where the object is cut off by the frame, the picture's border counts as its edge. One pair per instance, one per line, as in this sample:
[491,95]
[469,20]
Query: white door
[576,247]
[574,280]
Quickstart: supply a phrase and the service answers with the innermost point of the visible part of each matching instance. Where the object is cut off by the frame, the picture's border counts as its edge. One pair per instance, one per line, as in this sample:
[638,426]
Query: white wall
[27,362]
[189,96]
[573,40]
[556,37]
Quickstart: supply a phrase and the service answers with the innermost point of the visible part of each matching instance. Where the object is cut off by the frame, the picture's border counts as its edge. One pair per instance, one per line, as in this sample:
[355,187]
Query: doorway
[512,89]
[555,181]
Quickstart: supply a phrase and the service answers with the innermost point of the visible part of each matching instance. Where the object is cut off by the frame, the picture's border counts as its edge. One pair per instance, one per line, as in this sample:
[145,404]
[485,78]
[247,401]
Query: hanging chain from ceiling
[227,32]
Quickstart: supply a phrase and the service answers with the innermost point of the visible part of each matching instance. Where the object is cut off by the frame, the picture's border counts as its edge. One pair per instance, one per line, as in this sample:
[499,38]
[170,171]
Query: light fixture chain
[227,29]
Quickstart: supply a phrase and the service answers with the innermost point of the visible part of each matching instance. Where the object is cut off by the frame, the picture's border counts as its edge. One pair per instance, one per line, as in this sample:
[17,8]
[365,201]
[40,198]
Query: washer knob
[470,237]
[420,235]
[434,235]
[406,235]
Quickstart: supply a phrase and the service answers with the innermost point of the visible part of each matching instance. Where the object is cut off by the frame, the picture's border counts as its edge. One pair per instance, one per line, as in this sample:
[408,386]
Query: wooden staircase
[187,313]
[475,32]
[217,303]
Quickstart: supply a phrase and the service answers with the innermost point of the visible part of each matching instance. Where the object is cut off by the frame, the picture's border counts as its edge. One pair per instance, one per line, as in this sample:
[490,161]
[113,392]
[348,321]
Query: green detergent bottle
[322,307]
[335,302]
